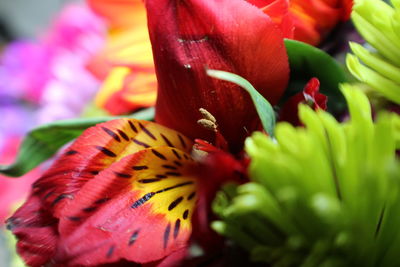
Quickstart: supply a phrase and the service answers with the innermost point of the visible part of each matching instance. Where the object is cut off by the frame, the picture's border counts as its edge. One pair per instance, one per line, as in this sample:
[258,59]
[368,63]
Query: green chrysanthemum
[324,195]
[379,24]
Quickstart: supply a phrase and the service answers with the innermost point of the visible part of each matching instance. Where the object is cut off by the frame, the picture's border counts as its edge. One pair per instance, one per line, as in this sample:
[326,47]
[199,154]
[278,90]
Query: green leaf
[44,141]
[306,62]
[263,107]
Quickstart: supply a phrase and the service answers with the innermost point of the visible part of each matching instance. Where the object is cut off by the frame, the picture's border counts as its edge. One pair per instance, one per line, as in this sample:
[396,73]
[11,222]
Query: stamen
[207,115]
[208,121]
[209,125]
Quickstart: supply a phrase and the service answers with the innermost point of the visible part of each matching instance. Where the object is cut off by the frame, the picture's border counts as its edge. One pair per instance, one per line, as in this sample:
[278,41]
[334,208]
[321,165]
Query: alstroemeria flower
[193,35]
[315,19]
[309,96]
[126,63]
[125,189]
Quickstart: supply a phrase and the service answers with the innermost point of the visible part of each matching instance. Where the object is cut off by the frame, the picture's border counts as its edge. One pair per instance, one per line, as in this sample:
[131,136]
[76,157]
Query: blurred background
[44,49]
[26,18]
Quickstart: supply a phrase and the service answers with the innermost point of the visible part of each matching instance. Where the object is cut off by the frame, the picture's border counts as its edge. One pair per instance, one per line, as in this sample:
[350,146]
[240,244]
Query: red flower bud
[310,96]
[230,35]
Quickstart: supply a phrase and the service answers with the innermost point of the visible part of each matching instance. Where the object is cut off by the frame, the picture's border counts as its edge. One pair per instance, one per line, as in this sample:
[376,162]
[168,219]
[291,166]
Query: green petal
[383,85]
[377,38]
[376,62]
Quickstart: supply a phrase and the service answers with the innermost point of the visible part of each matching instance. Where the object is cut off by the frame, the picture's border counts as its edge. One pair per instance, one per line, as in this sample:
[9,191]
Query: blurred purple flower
[23,71]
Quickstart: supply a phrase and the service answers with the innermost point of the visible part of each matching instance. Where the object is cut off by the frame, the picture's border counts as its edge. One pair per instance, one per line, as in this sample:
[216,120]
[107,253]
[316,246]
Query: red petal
[36,230]
[219,167]
[278,10]
[229,35]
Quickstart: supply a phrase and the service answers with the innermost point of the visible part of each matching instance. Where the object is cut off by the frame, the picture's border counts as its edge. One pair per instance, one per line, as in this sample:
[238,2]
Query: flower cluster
[312,189]
[319,193]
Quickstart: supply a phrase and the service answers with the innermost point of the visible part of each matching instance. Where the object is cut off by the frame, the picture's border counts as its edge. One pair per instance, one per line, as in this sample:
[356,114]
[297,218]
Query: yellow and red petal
[95,150]
[126,62]
[126,89]
[138,209]
[127,68]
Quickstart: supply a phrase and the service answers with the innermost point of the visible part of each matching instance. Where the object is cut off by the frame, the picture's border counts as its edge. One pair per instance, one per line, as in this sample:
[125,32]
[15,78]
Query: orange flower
[126,63]
[314,19]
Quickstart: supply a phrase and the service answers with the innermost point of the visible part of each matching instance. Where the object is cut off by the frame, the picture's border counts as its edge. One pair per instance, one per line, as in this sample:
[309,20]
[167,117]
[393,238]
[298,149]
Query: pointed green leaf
[263,107]
[44,141]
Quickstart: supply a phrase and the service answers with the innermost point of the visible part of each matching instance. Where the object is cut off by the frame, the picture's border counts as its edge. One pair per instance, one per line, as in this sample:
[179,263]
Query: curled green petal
[385,86]
[376,62]
[263,107]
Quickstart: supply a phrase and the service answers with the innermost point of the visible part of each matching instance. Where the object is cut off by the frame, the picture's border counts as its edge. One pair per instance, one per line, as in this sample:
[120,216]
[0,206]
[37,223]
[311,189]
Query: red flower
[124,190]
[309,96]
[230,35]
